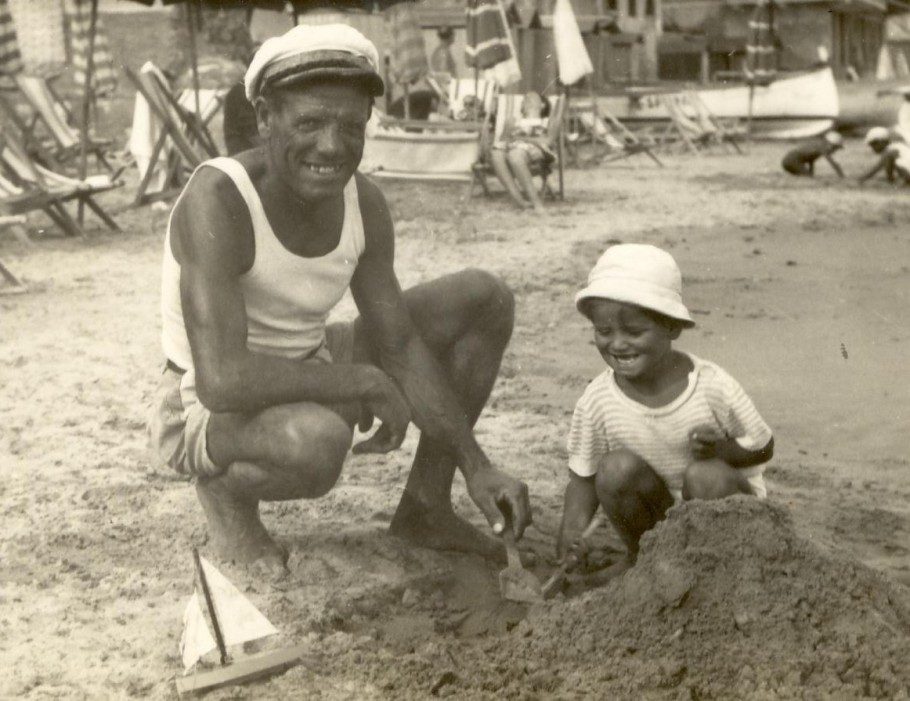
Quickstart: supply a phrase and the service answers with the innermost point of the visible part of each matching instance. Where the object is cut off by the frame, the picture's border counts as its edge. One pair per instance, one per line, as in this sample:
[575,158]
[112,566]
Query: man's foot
[439,528]
[236,531]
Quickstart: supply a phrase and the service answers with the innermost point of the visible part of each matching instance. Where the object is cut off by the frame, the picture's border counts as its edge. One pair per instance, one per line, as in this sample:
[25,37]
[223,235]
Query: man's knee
[314,446]
[620,471]
[712,479]
[494,298]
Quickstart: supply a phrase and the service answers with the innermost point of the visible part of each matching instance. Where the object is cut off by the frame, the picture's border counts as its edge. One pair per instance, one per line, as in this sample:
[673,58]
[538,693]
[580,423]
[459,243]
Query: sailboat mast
[203,582]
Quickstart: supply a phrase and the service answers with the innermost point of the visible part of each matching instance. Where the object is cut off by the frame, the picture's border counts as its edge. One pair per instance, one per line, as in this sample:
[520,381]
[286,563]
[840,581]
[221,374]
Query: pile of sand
[725,601]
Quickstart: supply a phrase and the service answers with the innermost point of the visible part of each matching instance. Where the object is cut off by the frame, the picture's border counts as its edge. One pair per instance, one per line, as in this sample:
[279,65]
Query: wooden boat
[871,103]
[793,106]
[417,150]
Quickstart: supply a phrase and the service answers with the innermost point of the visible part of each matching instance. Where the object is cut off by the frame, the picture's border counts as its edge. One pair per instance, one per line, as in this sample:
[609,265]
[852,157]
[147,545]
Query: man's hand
[706,442]
[386,402]
[501,498]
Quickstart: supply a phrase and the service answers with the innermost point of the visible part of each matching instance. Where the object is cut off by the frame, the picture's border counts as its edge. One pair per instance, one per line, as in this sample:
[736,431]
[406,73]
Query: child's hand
[704,440]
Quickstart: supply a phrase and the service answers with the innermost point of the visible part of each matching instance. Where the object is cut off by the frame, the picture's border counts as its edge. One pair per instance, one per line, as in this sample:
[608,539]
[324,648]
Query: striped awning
[78,20]
[760,66]
[487,42]
[10,58]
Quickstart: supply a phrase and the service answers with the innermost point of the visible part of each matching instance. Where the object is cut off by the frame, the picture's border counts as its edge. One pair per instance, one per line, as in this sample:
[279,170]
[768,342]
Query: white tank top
[287,297]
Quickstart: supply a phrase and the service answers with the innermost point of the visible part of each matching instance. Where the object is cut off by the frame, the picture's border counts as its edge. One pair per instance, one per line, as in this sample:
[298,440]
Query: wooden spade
[515,582]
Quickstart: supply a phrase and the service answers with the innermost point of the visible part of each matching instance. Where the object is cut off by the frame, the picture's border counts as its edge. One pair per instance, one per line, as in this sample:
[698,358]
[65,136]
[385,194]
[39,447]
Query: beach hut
[706,39]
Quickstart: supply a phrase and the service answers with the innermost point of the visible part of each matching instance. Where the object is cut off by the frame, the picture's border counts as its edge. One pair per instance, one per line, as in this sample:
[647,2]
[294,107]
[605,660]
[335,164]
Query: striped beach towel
[78,20]
[10,58]
[409,53]
[759,68]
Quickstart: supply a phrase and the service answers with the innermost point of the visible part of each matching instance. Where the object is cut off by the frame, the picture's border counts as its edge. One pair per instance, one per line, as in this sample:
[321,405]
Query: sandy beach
[800,288]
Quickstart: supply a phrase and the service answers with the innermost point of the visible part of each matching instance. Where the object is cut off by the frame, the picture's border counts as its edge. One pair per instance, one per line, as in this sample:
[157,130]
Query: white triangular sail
[196,640]
[239,620]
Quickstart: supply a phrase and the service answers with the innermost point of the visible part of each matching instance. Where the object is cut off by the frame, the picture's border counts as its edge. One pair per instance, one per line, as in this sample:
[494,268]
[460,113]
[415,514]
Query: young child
[658,425]
[894,156]
[801,159]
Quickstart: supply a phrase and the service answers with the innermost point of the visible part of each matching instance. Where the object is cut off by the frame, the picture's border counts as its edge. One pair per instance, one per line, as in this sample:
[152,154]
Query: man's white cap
[639,274]
[308,52]
[878,134]
[834,138]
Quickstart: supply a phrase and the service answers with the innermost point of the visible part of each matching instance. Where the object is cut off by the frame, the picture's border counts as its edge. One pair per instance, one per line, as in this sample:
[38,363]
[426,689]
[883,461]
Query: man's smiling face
[315,134]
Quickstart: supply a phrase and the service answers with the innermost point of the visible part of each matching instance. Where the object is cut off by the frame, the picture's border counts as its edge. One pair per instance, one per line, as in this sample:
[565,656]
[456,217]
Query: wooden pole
[194,55]
[87,97]
[210,604]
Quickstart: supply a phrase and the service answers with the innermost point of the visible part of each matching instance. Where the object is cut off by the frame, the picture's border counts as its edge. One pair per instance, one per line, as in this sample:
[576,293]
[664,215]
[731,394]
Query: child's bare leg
[520,166]
[633,496]
[713,479]
[501,169]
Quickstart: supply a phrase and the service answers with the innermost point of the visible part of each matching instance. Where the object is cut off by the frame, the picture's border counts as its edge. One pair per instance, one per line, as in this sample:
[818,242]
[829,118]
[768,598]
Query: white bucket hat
[638,274]
[834,138]
[877,134]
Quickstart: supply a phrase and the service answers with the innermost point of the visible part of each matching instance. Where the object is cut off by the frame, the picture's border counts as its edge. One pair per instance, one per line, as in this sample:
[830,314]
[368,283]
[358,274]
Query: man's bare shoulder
[211,219]
[374,210]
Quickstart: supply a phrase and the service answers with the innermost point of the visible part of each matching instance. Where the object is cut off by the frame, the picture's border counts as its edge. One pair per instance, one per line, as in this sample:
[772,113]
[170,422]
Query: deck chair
[614,139]
[508,110]
[59,188]
[461,88]
[16,200]
[182,142]
[684,127]
[725,131]
[52,113]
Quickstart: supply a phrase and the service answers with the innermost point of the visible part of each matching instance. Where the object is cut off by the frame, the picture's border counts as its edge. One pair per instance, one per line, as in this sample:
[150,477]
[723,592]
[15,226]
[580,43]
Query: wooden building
[706,38]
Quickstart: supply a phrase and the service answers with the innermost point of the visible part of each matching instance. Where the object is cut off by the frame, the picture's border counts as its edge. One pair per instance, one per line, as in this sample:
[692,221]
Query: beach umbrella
[759,67]
[488,43]
[571,55]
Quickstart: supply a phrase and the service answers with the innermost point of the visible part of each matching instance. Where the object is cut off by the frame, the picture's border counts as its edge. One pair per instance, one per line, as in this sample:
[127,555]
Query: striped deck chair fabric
[53,115]
[78,19]
[10,58]
[60,188]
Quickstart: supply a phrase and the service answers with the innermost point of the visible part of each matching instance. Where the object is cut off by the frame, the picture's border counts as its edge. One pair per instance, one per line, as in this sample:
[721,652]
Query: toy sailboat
[234,620]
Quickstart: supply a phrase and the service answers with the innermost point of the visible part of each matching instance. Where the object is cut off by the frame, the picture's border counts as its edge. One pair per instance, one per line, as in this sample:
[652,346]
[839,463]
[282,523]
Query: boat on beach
[874,103]
[793,106]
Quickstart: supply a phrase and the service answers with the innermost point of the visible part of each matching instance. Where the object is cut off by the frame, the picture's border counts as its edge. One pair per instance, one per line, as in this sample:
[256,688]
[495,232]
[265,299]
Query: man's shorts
[179,421]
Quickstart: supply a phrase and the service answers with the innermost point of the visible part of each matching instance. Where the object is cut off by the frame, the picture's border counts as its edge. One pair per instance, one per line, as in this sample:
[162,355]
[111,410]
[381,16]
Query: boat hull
[792,107]
[870,103]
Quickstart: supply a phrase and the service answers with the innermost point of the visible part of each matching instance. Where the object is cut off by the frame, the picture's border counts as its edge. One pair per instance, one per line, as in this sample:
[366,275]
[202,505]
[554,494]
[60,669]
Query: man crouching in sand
[260,396]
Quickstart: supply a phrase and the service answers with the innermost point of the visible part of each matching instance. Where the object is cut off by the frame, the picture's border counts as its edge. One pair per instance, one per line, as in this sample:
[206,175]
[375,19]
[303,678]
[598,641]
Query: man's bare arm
[405,357]
[872,171]
[834,164]
[402,352]
[212,240]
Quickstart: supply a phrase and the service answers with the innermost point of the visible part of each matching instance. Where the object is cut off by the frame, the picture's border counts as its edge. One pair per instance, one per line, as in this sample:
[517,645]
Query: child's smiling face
[632,342]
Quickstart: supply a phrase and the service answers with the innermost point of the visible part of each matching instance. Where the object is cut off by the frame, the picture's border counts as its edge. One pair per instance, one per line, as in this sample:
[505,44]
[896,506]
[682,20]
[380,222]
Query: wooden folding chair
[190,142]
[59,188]
[507,111]
[725,130]
[613,139]
[683,127]
[16,200]
[53,114]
